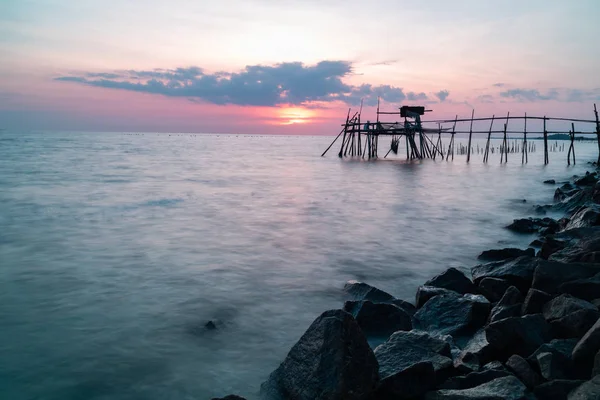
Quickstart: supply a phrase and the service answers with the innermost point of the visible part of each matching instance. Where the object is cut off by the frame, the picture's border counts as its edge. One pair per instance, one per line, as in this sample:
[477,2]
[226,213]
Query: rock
[596,369]
[505,254]
[453,279]
[586,391]
[229,397]
[574,325]
[533,225]
[549,366]
[379,319]
[523,371]
[573,200]
[550,182]
[587,288]
[497,365]
[509,305]
[506,388]
[493,288]
[537,243]
[517,335]
[474,379]
[424,293]
[561,350]
[363,291]
[588,345]
[332,360]
[534,301]
[405,349]
[587,180]
[564,305]
[551,246]
[405,305]
[466,362]
[586,217]
[410,383]
[596,193]
[452,314]
[555,390]
[549,275]
[519,272]
[477,349]
[210,325]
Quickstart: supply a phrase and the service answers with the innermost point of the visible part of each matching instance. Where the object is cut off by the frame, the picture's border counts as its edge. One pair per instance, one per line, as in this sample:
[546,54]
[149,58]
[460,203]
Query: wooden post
[572,147]
[359,128]
[504,152]
[524,153]
[470,135]
[597,132]
[546,161]
[345,130]
[451,144]
[486,155]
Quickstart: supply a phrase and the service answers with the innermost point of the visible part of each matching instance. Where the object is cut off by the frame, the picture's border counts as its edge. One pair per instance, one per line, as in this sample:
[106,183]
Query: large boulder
[534,301]
[574,325]
[561,350]
[505,388]
[452,314]
[587,216]
[556,390]
[519,272]
[586,288]
[410,383]
[590,179]
[474,379]
[332,360]
[588,345]
[505,254]
[517,335]
[551,246]
[549,275]
[564,305]
[406,349]
[477,348]
[580,250]
[522,370]
[550,366]
[493,288]
[363,291]
[452,279]
[424,293]
[509,305]
[379,319]
[533,225]
[586,391]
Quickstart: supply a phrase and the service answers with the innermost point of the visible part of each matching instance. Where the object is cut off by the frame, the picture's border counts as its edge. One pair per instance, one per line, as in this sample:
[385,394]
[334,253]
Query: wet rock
[363,291]
[405,305]
[494,365]
[519,272]
[505,254]
[466,362]
[538,243]
[453,279]
[574,325]
[533,225]
[379,319]
[452,314]
[210,325]
[551,246]
[588,345]
[521,368]
[564,305]
[406,349]
[493,288]
[509,305]
[549,275]
[410,383]
[534,301]
[596,193]
[565,191]
[474,379]
[506,388]
[550,182]
[587,288]
[477,349]
[550,366]
[561,350]
[586,217]
[587,180]
[596,369]
[586,391]
[517,335]
[230,397]
[332,360]
[574,200]
[424,293]
[555,390]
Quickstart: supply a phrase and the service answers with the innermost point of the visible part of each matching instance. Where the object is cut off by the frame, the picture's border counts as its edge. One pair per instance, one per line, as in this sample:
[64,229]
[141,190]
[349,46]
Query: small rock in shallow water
[210,325]
[453,279]
[363,291]
[550,182]
[505,254]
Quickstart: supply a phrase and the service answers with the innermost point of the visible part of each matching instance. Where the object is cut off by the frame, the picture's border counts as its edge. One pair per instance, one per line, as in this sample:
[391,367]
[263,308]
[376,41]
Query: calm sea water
[116,249]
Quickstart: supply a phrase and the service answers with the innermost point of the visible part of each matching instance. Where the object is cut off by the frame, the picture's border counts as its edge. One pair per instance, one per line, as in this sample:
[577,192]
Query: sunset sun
[295,115]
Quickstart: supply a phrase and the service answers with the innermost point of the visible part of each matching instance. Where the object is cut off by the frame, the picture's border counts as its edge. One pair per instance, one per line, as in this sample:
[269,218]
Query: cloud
[530,94]
[256,85]
[442,95]
[499,84]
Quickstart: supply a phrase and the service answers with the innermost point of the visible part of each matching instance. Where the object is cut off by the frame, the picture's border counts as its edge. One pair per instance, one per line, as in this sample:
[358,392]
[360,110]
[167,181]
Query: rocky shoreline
[524,325]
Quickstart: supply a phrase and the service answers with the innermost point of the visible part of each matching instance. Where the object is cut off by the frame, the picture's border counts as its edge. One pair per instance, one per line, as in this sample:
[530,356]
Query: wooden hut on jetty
[361,138]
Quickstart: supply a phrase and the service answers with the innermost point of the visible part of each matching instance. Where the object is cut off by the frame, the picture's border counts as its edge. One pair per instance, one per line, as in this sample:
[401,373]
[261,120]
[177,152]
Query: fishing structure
[361,138]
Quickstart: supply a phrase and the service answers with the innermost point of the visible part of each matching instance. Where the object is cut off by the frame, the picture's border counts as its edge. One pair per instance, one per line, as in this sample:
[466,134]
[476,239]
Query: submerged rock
[332,360]
[452,279]
[506,388]
[550,182]
[379,319]
[505,254]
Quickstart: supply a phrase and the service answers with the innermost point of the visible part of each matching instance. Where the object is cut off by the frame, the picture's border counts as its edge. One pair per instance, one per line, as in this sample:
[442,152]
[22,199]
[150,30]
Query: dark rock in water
[537,243]
[586,217]
[533,225]
[550,366]
[410,383]
[574,325]
[534,301]
[585,250]
[550,182]
[405,349]
[587,180]
[517,335]
[379,319]
[556,390]
[332,360]
[230,397]
[506,388]
[551,246]
[452,314]
[564,305]
[424,293]
[589,390]
[494,365]
[505,254]
[453,279]
[474,379]
[588,345]
[210,325]
[519,272]
[574,200]
[523,371]
[587,289]
[549,275]
[565,191]
[493,288]
[509,305]
[363,291]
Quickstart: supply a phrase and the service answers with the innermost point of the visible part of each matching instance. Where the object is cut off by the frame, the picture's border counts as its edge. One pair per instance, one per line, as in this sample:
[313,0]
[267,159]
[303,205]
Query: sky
[289,66]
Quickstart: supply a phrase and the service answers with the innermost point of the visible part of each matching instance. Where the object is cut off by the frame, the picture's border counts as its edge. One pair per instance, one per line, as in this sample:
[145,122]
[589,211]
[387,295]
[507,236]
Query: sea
[116,250]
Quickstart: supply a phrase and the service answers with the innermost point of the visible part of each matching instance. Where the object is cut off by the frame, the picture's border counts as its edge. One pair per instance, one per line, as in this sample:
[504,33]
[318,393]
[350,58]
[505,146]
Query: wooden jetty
[361,139]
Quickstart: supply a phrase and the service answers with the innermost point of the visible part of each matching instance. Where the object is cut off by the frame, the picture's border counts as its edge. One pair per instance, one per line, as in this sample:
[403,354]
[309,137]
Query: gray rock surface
[506,388]
[535,301]
[453,279]
[522,370]
[452,314]
[379,319]
[517,335]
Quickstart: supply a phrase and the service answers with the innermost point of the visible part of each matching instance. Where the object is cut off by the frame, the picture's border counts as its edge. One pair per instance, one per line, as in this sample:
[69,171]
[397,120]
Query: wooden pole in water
[344,139]
[545,143]
[572,141]
[470,135]
[451,144]
[597,132]
[486,155]
[524,154]
[359,127]
[504,152]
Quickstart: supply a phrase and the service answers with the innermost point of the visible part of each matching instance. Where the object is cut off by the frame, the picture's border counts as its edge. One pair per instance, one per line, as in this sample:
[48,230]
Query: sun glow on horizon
[294,115]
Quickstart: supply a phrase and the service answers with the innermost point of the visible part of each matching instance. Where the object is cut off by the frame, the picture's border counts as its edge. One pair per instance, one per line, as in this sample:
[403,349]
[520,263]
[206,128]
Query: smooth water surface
[116,249]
